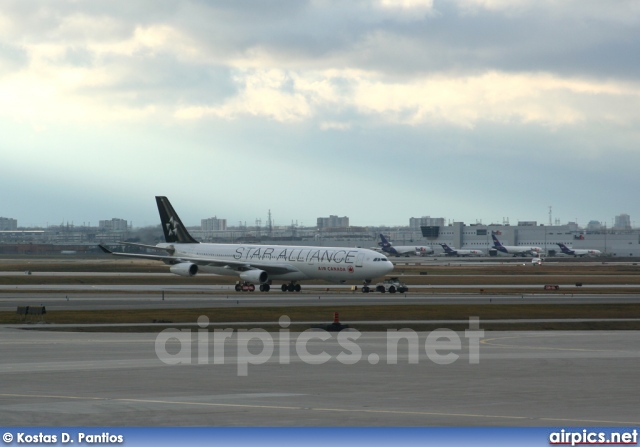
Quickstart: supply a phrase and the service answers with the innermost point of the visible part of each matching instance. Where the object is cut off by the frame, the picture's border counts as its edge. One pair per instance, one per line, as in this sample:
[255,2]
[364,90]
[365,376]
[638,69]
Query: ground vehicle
[391,285]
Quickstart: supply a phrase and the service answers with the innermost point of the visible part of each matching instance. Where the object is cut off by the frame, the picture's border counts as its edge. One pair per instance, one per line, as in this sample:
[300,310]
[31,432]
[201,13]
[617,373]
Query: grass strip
[348,314]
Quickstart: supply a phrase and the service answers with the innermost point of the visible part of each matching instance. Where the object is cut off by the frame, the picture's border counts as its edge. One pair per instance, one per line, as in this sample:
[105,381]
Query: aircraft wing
[137,255]
[152,247]
[241,266]
[272,269]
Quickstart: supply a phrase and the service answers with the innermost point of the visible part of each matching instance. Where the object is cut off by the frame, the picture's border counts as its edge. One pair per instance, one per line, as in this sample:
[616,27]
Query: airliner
[258,263]
[578,252]
[405,250]
[515,250]
[457,252]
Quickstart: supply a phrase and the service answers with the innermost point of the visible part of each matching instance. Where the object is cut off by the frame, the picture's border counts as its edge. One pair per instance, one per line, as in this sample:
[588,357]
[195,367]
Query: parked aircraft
[458,252]
[404,250]
[258,263]
[578,252]
[515,250]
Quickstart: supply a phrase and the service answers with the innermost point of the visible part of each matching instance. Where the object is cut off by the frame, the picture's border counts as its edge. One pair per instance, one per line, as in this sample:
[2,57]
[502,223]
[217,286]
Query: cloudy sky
[471,110]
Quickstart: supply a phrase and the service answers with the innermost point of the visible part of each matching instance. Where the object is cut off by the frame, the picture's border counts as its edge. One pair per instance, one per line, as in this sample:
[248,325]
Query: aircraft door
[359,260]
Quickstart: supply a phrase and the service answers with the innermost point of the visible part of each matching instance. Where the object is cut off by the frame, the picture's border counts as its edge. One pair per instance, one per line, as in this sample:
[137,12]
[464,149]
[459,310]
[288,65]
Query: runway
[56,378]
[179,298]
[521,379]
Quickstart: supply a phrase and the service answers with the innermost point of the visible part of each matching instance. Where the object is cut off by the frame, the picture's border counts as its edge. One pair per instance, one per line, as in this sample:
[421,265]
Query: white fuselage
[448,251]
[581,252]
[466,252]
[519,250]
[326,263]
[404,250]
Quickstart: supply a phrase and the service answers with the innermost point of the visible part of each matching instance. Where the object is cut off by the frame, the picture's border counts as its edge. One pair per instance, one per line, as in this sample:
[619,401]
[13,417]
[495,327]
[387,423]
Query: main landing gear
[291,287]
[244,286]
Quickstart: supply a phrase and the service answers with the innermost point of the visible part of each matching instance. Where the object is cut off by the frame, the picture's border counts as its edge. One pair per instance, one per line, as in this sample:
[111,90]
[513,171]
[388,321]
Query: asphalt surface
[520,379]
[172,298]
[547,378]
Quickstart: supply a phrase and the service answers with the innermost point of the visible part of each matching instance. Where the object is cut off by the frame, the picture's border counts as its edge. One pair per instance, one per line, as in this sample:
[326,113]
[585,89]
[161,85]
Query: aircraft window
[376,259]
[383,259]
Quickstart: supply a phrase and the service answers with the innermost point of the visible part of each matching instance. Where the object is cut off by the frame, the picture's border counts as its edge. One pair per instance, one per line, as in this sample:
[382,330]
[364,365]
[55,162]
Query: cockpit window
[384,259]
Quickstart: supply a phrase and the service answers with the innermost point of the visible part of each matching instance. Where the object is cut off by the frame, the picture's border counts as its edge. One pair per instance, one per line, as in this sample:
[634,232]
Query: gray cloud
[461,109]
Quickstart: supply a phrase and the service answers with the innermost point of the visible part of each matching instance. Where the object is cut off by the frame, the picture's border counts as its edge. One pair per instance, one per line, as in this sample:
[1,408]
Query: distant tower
[258,227]
[550,216]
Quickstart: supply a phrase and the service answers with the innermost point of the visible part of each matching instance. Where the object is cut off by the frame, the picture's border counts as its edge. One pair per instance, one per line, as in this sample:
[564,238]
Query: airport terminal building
[612,242]
[616,242]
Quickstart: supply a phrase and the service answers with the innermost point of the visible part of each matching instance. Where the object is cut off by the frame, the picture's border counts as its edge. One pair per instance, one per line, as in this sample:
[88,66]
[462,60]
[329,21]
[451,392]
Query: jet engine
[184,269]
[258,276]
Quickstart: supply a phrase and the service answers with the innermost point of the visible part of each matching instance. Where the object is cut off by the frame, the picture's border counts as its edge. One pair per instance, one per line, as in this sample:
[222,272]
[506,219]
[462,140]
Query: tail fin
[496,242]
[174,230]
[446,248]
[386,246]
[562,246]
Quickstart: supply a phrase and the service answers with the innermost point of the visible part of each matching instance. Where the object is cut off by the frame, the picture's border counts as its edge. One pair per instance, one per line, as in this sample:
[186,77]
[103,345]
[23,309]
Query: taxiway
[522,379]
[170,298]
